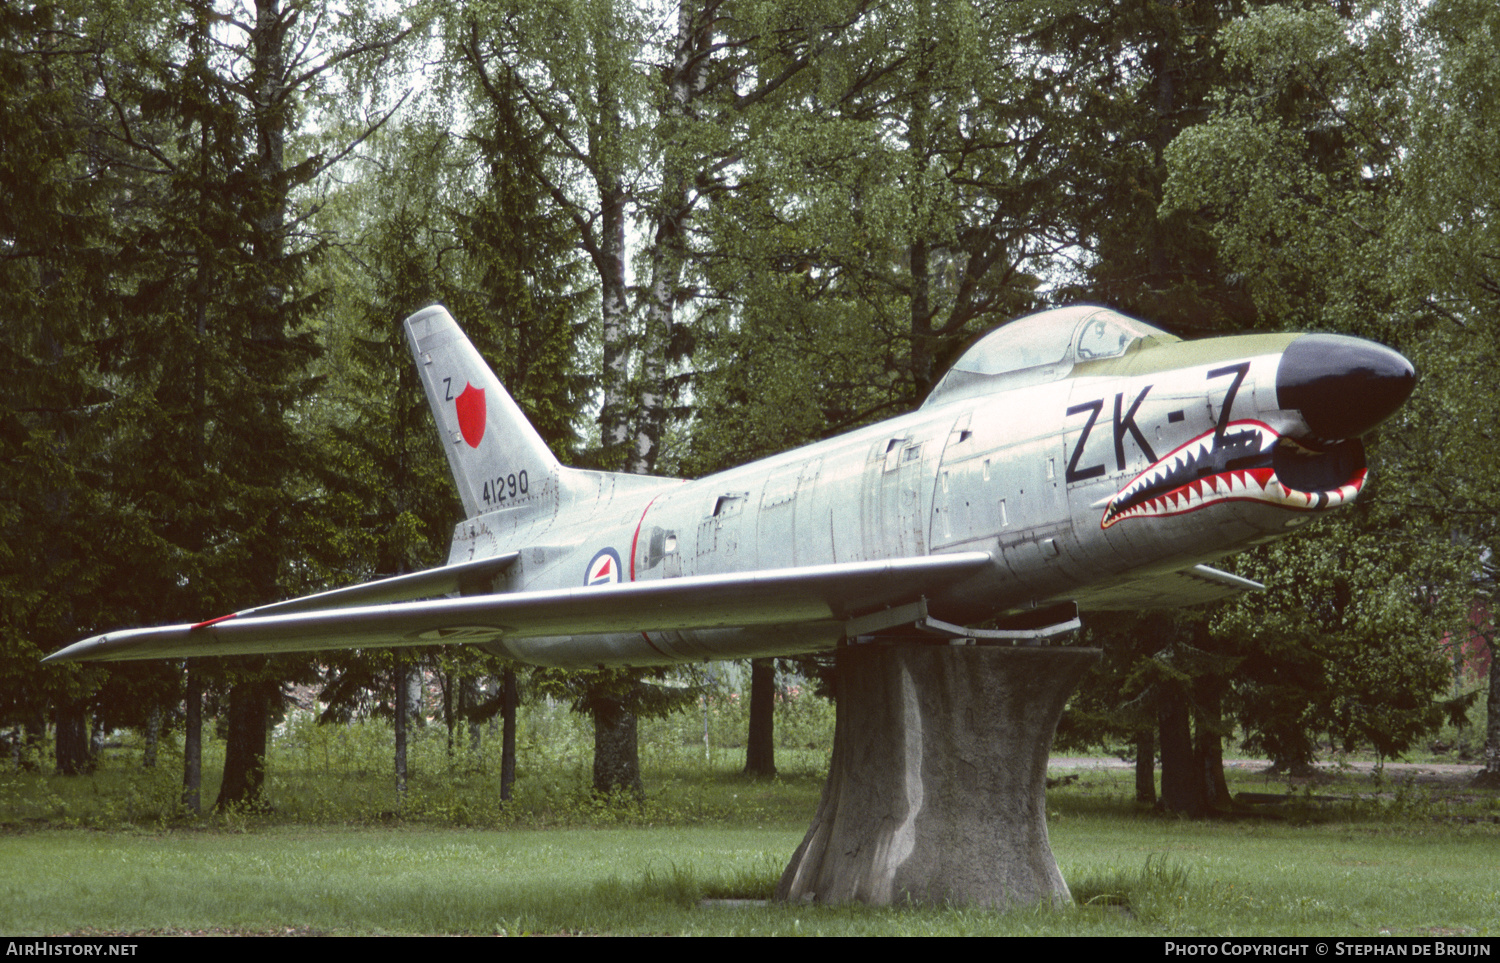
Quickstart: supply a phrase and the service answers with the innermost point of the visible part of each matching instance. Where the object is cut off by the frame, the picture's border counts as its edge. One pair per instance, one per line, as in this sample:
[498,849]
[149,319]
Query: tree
[884,209]
[436,214]
[760,743]
[1300,179]
[227,97]
[1140,75]
[210,349]
[59,432]
[1292,177]
[1447,229]
[1161,684]
[1343,643]
[607,140]
[390,502]
[564,106]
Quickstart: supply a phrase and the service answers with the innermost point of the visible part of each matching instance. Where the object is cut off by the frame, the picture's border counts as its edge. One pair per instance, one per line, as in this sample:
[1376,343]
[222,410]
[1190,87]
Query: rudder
[497,458]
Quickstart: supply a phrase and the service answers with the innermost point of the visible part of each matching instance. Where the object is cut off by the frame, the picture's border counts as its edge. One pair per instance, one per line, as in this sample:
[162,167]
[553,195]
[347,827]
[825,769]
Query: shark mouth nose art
[1247,461]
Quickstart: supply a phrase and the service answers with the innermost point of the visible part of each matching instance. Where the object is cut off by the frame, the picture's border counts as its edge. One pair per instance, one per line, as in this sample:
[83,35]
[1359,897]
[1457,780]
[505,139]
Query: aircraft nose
[1343,386]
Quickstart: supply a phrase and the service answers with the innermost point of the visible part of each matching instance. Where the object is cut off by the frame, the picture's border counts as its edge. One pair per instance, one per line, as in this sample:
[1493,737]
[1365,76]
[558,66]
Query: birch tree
[635,115]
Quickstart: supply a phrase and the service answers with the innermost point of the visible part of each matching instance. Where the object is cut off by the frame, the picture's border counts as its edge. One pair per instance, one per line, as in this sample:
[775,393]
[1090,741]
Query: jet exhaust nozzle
[1343,386]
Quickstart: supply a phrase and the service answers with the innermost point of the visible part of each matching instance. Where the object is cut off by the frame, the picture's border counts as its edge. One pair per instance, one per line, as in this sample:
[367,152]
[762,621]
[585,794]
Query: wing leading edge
[776,598]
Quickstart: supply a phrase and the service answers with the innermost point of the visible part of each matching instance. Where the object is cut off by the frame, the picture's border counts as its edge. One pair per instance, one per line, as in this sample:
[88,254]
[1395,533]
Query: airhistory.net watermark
[59,948]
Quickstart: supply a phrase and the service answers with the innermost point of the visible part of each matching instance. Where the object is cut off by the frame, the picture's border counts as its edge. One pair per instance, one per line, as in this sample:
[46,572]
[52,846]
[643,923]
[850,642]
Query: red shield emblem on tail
[471,414]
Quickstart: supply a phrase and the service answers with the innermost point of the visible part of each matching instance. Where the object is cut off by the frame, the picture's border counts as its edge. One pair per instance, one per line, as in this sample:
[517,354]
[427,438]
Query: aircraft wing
[1193,585]
[775,597]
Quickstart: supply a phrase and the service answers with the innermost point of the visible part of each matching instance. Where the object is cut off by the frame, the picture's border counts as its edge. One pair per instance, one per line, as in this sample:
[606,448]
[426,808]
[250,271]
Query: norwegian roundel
[604,569]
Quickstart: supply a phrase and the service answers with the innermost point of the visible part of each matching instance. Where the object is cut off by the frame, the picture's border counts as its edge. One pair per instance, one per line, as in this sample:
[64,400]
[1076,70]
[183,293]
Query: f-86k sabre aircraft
[1076,459]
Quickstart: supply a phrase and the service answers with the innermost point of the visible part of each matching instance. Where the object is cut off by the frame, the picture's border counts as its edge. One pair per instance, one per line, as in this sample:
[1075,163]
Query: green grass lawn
[332,859]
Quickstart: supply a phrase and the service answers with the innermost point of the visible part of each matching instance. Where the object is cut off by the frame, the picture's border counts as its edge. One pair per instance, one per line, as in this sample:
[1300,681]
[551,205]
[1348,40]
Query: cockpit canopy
[1039,348]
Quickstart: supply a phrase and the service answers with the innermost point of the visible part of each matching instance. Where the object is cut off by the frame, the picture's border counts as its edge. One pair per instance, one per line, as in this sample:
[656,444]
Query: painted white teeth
[1254,484]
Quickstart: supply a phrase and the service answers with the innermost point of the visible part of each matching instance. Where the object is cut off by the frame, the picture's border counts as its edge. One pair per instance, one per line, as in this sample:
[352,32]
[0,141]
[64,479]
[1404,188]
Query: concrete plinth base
[937,788]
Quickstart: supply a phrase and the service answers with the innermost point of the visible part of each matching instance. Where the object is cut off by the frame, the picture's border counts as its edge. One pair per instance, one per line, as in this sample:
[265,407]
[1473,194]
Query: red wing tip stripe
[222,618]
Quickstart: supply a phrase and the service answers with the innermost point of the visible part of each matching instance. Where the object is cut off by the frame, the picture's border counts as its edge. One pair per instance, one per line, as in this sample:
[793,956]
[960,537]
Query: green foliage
[1294,174]
[1345,640]
[718,724]
[884,208]
[340,772]
[56,451]
[1314,179]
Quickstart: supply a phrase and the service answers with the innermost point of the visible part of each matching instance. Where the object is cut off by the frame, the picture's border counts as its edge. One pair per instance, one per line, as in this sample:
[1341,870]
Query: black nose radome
[1343,386]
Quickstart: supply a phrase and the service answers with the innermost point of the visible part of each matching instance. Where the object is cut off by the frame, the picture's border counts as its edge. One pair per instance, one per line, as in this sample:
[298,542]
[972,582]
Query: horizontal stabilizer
[777,597]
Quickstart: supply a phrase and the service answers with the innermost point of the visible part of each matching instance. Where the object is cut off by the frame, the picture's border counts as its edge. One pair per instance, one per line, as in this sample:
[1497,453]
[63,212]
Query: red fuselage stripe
[633,540]
[637,536]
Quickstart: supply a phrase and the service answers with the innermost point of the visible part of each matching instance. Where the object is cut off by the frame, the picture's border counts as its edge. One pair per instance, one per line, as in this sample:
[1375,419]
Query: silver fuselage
[1018,473]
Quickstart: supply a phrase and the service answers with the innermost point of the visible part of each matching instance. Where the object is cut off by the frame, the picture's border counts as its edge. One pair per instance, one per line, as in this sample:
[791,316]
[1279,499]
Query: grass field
[1140,877]
[100,854]
[339,851]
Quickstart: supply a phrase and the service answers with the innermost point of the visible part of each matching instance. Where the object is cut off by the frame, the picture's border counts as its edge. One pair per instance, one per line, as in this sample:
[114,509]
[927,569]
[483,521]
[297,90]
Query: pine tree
[211,328]
[56,442]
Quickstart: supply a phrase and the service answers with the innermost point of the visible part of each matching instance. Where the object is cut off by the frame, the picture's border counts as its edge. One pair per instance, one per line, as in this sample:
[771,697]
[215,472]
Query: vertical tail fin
[498,459]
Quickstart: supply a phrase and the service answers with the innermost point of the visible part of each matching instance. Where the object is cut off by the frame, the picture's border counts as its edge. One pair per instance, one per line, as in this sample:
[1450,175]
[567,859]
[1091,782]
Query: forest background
[687,237]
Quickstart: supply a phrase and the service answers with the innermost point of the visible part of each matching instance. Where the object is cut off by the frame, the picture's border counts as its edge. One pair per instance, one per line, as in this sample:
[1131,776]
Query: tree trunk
[403,697]
[35,727]
[153,738]
[72,739]
[96,734]
[1210,751]
[609,261]
[1489,776]
[192,743]
[1145,767]
[508,700]
[471,696]
[617,761]
[1296,761]
[245,753]
[760,745]
[416,701]
[1181,770]
[450,708]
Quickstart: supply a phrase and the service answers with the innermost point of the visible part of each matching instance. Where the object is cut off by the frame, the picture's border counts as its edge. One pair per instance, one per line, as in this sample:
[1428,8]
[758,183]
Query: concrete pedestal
[937,788]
